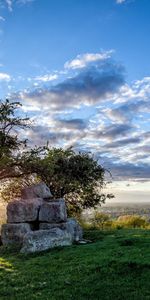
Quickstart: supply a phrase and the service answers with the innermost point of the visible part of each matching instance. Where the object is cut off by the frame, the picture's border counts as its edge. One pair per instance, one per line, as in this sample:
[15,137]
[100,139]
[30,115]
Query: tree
[77,177]
[10,143]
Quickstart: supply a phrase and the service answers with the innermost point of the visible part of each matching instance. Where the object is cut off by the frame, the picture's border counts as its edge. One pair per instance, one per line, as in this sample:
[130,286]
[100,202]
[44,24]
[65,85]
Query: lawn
[116,265]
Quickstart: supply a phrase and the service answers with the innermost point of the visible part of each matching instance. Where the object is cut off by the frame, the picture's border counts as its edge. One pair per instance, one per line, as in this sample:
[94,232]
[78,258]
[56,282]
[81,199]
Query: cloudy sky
[82,72]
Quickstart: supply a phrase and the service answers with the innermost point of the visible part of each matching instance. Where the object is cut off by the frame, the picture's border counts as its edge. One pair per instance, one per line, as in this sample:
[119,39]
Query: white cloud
[120,1]
[83,60]
[47,77]
[5,77]
[9,4]
[2,18]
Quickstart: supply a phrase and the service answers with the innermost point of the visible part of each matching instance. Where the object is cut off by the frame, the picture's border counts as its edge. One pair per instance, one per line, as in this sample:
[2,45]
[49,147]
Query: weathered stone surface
[53,212]
[39,190]
[22,211]
[41,240]
[14,233]
[47,226]
[72,227]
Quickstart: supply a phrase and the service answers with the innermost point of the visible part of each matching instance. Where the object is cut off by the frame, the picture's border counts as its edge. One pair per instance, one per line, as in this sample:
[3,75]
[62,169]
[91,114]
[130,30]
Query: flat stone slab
[40,240]
[71,225]
[12,234]
[53,212]
[23,211]
[39,190]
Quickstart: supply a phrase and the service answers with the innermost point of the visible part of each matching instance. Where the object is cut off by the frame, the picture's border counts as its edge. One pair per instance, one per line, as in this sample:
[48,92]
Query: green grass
[115,266]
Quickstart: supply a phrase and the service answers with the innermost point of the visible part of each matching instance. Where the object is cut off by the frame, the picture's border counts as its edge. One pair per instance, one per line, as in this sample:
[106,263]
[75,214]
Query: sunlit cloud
[83,60]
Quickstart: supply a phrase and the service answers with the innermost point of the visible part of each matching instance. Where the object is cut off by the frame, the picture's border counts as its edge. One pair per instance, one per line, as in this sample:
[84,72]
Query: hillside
[116,265]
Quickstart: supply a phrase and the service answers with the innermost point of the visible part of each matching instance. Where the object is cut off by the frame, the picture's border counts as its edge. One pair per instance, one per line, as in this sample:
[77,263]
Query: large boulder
[53,212]
[23,211]
[36,241]
[12,234]
[39,190]
[71,226]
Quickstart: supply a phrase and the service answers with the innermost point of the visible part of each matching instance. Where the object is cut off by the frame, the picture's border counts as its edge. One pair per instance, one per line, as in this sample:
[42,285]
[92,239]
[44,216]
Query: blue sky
[81,69]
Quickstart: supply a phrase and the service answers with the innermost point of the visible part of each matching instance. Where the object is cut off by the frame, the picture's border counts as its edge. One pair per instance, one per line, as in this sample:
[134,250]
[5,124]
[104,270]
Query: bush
[101,220]
[130,221]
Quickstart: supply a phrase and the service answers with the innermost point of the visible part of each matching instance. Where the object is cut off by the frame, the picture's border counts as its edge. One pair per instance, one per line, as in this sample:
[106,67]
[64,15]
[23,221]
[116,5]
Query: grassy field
[116,265]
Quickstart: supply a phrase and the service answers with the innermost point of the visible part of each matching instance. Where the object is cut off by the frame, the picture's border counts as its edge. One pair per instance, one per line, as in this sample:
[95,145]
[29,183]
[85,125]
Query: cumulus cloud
[83,60]
[94,109]
[73,124]
[123,142]
[92,85]
[128,111]
[5,77]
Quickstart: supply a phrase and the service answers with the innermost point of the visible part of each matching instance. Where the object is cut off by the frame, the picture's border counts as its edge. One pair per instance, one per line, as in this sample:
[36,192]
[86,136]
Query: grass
[116,265]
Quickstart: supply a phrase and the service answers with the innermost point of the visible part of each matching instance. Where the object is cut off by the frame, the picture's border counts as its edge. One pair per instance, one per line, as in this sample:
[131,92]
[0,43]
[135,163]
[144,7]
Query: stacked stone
[37,223]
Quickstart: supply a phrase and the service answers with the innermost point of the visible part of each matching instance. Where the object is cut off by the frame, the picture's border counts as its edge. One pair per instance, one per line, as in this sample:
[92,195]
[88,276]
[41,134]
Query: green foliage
[100,220]
[77,177]
[9,122]
[115,265]
[104,221]
[9,140]
[131,221]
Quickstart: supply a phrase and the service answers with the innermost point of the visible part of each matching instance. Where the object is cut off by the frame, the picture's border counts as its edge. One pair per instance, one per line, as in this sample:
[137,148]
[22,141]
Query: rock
[83,242]
[23,211]
[40,240]
[47,226]
[39,190]
[72,227]
[14,233]
[53,212]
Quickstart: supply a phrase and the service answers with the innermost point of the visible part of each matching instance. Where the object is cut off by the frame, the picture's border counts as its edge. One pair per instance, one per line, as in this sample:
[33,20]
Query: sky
[81,70]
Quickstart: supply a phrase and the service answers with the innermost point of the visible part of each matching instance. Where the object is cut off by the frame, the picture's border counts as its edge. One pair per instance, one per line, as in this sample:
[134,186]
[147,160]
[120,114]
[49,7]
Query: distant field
[119,209]
[115,266]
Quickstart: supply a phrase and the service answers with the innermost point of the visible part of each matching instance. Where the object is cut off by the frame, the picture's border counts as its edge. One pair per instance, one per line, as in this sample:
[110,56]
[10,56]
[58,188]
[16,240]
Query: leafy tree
[10,143]
[77,177]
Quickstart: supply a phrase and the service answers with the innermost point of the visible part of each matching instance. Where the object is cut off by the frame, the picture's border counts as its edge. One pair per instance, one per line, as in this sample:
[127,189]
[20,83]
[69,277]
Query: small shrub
[101,220]
[131,221]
